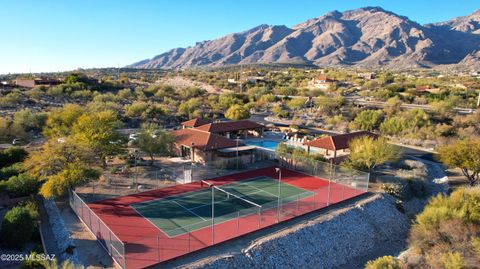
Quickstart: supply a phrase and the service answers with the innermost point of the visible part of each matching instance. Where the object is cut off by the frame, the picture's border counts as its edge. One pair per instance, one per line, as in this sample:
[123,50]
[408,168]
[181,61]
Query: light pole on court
[279,171]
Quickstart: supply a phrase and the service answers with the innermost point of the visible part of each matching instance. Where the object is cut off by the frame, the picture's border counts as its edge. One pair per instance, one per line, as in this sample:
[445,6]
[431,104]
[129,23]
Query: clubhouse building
[203,141]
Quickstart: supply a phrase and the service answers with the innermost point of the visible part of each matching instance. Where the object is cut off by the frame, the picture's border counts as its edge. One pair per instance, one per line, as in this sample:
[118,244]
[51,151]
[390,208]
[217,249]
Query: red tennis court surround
[142,244]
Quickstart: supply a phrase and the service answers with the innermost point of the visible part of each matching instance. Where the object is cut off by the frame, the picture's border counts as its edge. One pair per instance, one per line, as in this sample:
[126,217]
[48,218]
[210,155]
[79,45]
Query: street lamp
[277,170]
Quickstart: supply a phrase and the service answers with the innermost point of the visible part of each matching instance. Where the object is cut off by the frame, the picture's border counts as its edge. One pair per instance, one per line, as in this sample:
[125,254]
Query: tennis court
[191,211]
[147,228]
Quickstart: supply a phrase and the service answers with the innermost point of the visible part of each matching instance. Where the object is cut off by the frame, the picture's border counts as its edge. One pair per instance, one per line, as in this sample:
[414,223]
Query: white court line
[251,186]
[179,196]
[188,209]
[224,200]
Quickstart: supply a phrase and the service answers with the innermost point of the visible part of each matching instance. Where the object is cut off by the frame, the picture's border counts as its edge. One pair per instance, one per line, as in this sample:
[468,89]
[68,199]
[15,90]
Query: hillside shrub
[22,185]
[10,171]
[17,227]
[385,262]
[12,155]
[447,230]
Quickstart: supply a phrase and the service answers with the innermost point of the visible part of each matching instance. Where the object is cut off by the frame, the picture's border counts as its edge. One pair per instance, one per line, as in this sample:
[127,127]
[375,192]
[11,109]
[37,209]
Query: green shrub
[3,186]
[10,171]
[32,263]
[476,245]
[17,227]
[32,207]
[385,262]
[394,190]
[22,185]
[449,224]
[452,260]
[65,265]
[12,155]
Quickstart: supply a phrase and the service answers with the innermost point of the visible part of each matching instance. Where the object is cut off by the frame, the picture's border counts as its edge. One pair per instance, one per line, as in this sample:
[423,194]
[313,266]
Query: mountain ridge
[365,37]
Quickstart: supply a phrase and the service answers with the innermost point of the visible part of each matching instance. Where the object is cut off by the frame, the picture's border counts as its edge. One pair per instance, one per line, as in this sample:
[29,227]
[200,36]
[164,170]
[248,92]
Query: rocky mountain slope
[366,37]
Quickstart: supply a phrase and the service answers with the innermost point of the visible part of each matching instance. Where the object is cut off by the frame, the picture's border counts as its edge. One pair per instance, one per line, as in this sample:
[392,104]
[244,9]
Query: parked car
[133,137]
[17,141]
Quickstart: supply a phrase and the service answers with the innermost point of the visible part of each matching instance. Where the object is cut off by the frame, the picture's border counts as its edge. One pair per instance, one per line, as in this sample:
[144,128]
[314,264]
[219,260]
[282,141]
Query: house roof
[323,77]
[202,140]
[423,88]
[195,122]
[338,142]
[228,126]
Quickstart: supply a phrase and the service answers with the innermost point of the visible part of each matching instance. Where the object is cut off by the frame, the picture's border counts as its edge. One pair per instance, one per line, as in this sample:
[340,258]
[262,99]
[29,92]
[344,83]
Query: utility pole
[241,71]
[478,101]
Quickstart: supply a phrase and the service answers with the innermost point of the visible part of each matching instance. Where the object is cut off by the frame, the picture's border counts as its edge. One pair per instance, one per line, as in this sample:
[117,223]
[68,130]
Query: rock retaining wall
[345,238]
[63,241]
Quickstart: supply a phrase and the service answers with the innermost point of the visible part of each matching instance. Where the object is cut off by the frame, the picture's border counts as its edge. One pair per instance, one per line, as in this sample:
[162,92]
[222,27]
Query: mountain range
[369,37]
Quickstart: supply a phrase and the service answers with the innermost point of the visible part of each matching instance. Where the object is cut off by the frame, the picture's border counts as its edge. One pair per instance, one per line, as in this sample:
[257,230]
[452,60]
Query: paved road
[358,100]
[379,104]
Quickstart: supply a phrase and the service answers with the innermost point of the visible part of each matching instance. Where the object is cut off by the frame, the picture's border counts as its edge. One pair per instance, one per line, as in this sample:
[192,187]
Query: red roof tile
[202,140]
[228,126]
[338,142]
[195,122]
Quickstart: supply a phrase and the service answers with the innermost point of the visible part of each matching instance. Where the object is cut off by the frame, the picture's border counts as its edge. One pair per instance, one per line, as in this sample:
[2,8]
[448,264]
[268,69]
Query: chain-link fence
[328,184]
[107,239]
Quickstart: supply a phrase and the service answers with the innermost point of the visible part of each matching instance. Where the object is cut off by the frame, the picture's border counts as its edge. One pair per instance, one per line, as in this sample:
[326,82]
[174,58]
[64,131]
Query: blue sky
[57,35]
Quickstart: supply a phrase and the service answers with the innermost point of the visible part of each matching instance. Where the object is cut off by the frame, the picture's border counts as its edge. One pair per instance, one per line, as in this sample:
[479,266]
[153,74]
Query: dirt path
[89,252]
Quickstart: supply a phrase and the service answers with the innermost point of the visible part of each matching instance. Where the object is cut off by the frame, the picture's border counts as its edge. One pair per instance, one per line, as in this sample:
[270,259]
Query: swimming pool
[267,144]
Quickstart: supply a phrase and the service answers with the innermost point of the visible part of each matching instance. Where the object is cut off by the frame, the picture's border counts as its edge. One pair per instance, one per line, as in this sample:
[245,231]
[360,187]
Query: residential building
[322,82]
[30,83]
[336,147]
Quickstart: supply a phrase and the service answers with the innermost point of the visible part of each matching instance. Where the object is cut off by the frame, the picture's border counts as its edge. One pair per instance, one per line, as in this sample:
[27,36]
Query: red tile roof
[423,88]
[195,122]
[337,142]
[202,140]
[229,126]
[324,78]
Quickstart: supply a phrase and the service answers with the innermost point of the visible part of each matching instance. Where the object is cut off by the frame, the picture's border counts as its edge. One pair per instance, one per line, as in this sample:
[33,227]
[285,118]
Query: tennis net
[224,196]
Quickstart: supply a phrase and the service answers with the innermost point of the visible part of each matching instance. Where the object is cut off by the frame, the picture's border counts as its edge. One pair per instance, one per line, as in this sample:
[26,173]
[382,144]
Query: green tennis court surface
[179,214]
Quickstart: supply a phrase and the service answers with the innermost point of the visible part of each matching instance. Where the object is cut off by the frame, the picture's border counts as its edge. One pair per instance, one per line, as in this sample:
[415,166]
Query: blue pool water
[268,144]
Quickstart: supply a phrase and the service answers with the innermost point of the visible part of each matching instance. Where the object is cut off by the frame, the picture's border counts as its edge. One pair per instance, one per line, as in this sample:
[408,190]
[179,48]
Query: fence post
[238,222]
[328,192]
[259,217]
[189,241]
[298,198]
[368,181]
[124,256]
[90,220]
[158,247]
[81,209]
